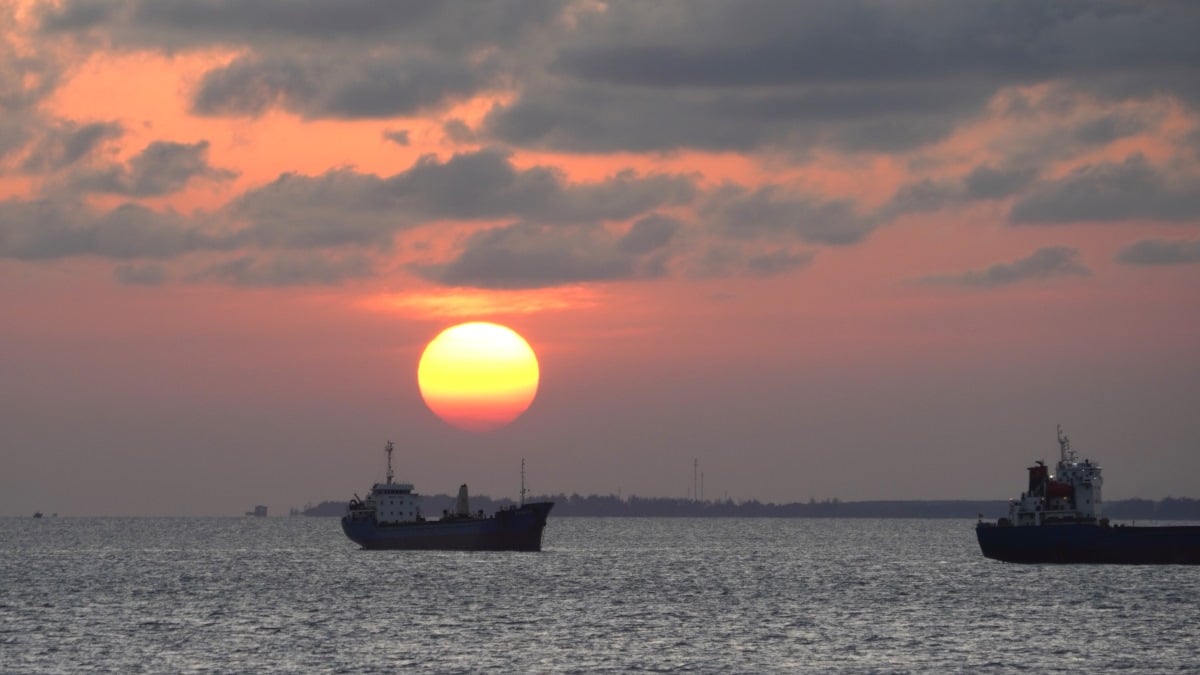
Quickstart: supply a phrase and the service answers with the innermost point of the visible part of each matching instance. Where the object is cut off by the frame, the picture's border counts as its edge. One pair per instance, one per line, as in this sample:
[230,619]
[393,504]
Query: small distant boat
[259,511]
[37,514]
[390,518]
[1058,520]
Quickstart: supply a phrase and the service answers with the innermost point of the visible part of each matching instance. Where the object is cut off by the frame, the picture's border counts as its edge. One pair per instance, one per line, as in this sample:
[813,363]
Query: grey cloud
[526,255]
[359,59]
[172,25]
[338,208]
[140,275]
[587,117]
[45,229]
[81,15]
[985,182]
[771,212]
[345,207]
[399,136]
[772,43]
[288,269]
[981,183]
[722,75]
[1045,263]
[48,229]
[27,78]
[923,196]
[69,143]
[247,86]
[458,131]
[1110,192]
[1161,252]
[779,262]
[350,88]
[1108,128]
[739,259]
[161,168]
[648,234]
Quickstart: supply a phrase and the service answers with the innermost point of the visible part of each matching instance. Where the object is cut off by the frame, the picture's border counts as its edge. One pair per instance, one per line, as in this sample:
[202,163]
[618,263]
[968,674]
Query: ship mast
[388,450]
[522,481]
[1064,446]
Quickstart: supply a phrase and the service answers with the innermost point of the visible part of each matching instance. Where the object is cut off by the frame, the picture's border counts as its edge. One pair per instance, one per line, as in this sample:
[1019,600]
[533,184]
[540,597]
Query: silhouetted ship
[390,518]
[1058,520]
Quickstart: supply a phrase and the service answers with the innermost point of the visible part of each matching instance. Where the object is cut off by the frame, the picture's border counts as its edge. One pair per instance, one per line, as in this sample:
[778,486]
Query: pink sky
[883,267]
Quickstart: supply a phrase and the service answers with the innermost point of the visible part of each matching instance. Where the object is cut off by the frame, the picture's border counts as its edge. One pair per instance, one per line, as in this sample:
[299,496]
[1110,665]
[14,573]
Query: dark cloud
[730,259]
[49,229]
[778,262]
[44,229]
[1045,263]
[1107,128]
[289,269]
[161,168]
[140,275]
[1130,190]
[771,212]
[981,183]
[27,78]
[338,208]
[398,136]
[601,118]
[365,87]
[854,75]
[526,255]
[345,207]
[923,196]
[631,75]
[69,143]
[648,234]
[81,15]
[358,59]
[458,131]
[1161,252]
[985,182]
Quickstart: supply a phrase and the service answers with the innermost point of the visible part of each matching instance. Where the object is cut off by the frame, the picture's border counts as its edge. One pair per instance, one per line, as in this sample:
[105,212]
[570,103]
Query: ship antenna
[522,481]
[388,450]
[1064,445]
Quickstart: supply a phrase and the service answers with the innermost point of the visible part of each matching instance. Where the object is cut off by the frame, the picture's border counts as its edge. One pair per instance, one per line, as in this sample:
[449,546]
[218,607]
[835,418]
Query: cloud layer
[1072,113]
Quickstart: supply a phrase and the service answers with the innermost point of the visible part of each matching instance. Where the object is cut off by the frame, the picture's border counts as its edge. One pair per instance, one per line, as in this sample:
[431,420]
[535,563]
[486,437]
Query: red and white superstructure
[1069,495]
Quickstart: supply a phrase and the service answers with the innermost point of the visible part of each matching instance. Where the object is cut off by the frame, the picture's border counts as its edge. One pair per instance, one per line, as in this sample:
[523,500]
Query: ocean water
[292,595]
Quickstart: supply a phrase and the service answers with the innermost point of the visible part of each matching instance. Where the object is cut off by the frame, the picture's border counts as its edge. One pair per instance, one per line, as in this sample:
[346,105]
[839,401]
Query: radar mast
[522,481]
[388,450]
[1064,446]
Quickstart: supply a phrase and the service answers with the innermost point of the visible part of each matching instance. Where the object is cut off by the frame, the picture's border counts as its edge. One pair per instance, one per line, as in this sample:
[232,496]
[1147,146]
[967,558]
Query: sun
[478,376]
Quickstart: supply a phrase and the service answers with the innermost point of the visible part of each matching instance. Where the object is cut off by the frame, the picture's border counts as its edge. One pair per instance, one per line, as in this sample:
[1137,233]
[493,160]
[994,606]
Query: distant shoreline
[640,507]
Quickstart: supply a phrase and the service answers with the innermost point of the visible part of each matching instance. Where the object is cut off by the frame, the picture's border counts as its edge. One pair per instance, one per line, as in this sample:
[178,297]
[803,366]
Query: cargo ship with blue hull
[1058,520]
[390,518]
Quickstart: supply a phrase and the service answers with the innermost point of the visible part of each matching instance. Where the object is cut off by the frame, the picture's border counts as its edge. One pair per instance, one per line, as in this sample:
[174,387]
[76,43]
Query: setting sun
[478,376]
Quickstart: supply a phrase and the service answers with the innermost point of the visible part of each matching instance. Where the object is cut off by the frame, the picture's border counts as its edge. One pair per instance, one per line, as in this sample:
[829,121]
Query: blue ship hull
[517,529]
[1091,543]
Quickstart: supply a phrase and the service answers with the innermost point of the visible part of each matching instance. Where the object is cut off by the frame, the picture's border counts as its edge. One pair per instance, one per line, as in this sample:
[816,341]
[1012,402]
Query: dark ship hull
[515,529]
[1091,543]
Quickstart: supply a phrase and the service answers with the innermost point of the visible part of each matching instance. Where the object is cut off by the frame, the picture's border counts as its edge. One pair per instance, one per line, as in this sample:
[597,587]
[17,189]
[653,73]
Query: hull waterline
[1091,544]
[516,529]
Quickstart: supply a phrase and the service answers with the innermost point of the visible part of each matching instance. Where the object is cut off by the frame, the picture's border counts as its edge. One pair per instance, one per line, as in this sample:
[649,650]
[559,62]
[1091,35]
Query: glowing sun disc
[478,376]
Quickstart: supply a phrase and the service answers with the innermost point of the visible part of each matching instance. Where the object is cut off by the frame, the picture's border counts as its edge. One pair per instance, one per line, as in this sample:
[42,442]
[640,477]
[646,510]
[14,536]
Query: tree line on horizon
[1170,508]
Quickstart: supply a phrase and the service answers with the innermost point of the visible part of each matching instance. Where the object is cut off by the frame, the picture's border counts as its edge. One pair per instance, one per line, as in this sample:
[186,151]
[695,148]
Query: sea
[606,595]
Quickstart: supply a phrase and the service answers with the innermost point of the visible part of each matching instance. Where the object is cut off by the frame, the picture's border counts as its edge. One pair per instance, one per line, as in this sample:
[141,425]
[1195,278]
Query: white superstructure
[390,502]
[1070,495]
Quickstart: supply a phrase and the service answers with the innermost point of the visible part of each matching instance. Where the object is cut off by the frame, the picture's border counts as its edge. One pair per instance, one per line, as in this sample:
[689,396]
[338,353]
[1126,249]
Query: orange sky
[225,241]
